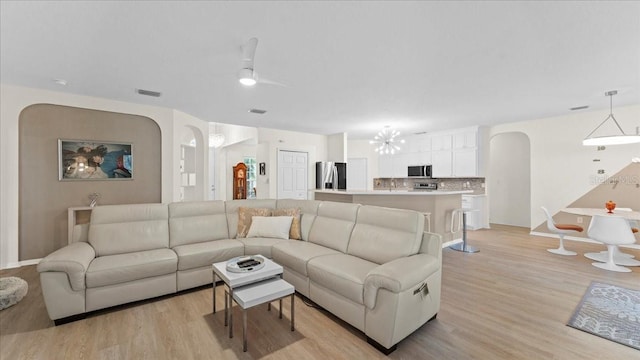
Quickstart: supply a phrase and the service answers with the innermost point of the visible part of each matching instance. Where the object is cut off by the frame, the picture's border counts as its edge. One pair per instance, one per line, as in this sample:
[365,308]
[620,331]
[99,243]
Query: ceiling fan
[247,75]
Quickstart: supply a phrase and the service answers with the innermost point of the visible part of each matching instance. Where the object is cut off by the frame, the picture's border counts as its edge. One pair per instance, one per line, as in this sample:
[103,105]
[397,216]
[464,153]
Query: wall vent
[579,107]
[257,111]
[148,92]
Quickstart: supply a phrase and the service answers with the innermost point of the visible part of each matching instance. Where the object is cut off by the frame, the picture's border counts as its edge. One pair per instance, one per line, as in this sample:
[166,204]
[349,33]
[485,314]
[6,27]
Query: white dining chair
[561,230]
[611,231]
[619,257]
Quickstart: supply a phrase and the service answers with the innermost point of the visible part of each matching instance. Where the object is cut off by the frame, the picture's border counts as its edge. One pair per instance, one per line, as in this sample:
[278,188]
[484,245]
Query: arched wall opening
[509,181]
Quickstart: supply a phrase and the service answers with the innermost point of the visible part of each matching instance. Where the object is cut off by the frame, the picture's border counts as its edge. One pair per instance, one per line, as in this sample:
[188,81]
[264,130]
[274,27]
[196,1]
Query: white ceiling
[351,66]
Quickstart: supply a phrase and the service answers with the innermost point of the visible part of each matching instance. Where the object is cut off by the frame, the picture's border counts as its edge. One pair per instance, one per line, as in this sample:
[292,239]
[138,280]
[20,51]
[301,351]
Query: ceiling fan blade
[249,52]
[261,80]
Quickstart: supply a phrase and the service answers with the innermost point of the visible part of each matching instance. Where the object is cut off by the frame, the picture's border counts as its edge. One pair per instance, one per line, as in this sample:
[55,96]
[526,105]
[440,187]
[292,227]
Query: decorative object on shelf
[263,168]
[386,141]
[93,160]
[243,264]
[240,181]
[94,199]
[620,139]
[610,205]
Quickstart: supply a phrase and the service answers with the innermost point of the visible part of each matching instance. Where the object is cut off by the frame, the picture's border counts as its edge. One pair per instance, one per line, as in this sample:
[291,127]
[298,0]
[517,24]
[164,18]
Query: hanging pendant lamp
[620,139]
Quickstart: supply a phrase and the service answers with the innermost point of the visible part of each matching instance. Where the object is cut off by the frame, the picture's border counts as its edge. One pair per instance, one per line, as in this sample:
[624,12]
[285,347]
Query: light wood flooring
[509,301]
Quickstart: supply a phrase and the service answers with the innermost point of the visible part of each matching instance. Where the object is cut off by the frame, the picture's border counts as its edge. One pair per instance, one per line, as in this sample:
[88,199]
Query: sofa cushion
[342,273]
[232,207]
[194,222]
[260,245]
[270,227]
[123,229]
[197,255]
[333,225]
[245,219]
[295,254]
[384,234]
[294,229]
[308,209]
[122,268]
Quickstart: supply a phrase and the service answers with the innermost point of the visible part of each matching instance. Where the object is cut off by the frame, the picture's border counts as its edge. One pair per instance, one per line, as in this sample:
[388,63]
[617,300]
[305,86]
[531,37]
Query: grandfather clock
[240,181]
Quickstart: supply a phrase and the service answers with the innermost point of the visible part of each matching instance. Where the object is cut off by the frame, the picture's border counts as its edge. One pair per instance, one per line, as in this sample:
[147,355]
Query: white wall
[14,99]
[562,169]
[337,147]
[509,186]
[273,140]
[200,129]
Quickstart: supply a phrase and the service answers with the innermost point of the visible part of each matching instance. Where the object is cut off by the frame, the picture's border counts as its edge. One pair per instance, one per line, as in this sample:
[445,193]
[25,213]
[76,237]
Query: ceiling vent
[579,107]
[257,111]
[148,92]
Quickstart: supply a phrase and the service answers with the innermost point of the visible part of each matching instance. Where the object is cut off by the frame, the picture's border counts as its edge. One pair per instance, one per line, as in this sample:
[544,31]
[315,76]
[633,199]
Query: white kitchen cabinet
[465,139]
[477,219]
[400,162]
[385,166]
[465,162]
[441,142]
[442,163]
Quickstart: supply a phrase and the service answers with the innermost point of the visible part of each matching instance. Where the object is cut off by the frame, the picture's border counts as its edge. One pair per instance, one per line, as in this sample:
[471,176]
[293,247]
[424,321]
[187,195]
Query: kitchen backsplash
[448,184]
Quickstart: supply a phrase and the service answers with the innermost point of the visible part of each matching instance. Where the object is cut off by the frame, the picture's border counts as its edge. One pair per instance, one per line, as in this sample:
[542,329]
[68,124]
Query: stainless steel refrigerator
[331,175]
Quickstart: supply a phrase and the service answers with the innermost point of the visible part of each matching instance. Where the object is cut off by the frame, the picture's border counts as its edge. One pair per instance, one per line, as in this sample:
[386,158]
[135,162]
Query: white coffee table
[236,280]
[262,292]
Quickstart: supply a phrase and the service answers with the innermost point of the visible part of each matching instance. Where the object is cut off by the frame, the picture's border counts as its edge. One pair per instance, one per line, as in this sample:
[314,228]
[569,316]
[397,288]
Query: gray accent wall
[44,200]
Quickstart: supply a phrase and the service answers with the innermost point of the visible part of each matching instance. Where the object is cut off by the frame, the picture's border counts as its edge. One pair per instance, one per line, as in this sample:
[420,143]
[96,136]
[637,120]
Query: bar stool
[427,220]
[455,227]
[560,230]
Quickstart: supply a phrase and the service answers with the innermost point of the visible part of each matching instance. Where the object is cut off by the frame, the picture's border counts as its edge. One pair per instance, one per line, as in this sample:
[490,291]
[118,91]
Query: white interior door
[292,175]
[357,177]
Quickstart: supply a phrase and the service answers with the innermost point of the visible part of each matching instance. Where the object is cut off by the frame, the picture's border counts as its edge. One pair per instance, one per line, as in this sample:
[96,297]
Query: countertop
[395,192]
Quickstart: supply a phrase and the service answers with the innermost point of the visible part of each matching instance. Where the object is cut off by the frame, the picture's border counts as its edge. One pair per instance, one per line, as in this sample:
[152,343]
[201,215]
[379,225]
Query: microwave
[419,171]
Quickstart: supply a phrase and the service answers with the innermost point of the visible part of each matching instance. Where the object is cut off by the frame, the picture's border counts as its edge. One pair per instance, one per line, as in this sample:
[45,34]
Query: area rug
[611,312]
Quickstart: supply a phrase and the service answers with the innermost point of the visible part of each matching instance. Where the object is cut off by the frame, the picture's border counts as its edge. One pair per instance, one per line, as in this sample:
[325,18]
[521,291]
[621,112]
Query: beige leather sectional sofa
[373,267]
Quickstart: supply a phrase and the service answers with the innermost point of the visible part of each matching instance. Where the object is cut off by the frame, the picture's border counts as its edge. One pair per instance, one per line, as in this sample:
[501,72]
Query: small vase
[610,205]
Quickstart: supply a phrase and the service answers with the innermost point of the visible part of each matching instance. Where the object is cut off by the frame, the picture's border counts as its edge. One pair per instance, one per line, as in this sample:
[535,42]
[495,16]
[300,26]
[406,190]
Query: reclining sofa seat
[353,265]
[367,265]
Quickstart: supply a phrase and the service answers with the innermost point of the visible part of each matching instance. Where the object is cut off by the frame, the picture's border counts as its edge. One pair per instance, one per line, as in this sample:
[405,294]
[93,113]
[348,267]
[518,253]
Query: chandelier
[386,141]
[620,139]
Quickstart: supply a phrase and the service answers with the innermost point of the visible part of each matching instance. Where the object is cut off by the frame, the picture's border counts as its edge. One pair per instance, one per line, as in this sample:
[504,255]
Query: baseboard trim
[21,264]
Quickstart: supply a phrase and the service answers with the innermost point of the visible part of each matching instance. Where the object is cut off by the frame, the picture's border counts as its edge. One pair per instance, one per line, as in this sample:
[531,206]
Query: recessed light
[60,82]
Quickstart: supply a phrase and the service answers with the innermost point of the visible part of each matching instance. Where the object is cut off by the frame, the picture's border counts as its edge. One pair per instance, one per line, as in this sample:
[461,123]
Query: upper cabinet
[455,153]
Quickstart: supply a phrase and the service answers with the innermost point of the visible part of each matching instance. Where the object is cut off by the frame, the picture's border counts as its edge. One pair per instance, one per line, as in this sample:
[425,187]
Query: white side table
[259,293]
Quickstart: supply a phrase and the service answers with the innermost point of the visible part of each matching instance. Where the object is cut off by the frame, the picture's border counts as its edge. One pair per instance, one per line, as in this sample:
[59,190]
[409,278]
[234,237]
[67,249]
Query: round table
[629,215]
[619,257]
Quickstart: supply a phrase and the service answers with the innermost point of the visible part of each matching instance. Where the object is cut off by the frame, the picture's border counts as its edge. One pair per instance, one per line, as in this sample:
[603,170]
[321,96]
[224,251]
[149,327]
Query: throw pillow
[244,218]
[295,232]
[276,227]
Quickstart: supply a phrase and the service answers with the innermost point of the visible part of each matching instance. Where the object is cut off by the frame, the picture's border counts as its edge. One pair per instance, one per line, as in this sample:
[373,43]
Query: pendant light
[620,139]
[386,141]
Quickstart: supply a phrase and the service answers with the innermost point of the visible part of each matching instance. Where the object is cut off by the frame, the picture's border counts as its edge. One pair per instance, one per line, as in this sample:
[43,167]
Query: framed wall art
[94,160]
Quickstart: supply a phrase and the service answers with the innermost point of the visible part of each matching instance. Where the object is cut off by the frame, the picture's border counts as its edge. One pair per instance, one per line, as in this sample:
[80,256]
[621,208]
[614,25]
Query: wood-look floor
[509,301]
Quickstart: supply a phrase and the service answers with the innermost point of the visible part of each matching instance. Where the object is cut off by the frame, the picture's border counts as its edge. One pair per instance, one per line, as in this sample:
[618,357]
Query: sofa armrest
[399,275]
[431,244]
[73,260]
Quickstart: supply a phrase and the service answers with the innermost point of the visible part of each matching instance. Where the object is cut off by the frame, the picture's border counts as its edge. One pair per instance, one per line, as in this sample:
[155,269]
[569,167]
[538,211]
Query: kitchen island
[438,203]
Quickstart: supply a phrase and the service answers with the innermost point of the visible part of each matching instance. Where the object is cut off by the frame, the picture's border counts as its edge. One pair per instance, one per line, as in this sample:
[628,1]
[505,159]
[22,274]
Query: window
[251,176]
